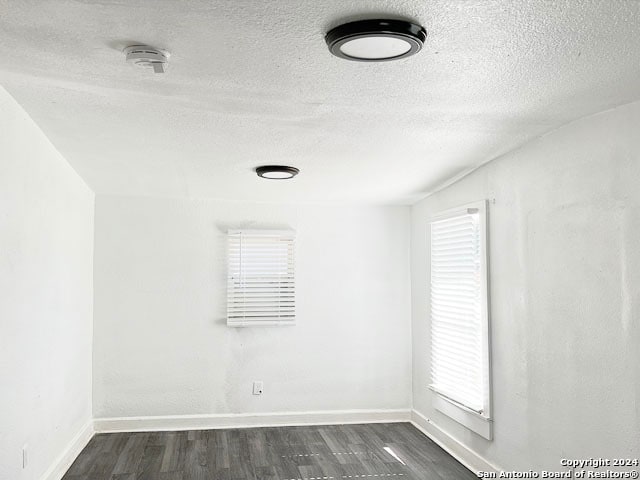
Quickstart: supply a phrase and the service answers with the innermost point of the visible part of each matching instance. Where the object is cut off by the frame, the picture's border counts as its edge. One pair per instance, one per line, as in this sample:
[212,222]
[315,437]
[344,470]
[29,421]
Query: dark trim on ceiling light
[265,170]
[413,34]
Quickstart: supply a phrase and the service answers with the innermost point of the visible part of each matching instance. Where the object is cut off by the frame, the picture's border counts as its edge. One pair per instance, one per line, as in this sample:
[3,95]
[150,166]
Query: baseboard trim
[246,420]
[467,457]
[70,453]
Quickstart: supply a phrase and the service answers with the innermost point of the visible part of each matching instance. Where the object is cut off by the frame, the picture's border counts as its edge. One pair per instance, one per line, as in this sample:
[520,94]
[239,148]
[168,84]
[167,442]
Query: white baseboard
[70,453]
[453,447]
[245,420]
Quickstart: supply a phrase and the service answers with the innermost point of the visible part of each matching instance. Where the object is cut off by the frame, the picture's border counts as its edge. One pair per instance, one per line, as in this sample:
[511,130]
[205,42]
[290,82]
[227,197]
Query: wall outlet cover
[257,388]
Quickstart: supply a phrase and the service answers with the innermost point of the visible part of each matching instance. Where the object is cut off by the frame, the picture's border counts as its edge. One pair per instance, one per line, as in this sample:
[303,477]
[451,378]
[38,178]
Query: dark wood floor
[393,451]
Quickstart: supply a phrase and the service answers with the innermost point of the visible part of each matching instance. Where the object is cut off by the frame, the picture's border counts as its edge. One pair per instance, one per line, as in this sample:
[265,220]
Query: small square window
[261,278]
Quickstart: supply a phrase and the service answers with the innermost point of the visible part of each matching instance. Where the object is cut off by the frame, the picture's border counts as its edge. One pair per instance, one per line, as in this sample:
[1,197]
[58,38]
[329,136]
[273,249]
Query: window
[260,281]
[460,367]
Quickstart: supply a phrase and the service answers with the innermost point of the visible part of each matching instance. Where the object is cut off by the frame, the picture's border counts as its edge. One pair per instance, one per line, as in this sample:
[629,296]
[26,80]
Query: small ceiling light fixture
[277,172]
[376,40]
[145,56]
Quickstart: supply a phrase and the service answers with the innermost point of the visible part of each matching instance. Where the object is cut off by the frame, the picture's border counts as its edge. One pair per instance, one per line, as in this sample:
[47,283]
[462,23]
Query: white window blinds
[459,318]
[261,280]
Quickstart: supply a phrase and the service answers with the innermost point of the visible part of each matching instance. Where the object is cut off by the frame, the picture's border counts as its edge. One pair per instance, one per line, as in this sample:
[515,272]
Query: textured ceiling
[252,82]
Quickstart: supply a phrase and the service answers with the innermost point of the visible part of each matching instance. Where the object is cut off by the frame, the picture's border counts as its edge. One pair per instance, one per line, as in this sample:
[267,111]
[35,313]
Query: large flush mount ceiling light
[376,40]
[277,172]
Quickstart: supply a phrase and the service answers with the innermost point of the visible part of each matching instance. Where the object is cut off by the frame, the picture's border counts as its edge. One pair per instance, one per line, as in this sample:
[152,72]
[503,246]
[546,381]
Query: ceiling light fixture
[277,172]
[376,40]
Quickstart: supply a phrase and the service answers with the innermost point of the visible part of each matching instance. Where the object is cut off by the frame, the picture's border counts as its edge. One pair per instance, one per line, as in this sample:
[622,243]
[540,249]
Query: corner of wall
[467,457]
[70,453]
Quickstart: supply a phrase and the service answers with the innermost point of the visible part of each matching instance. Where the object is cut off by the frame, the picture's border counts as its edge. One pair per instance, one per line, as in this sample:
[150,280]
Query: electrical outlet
[25,457]
[257,388]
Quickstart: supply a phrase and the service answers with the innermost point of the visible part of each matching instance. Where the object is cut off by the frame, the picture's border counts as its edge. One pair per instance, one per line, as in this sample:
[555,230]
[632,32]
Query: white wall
[565,294]
[161,343]
[46,242]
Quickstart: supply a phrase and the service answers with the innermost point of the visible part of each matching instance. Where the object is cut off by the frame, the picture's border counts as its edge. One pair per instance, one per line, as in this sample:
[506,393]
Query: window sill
[261,323]
[475,422]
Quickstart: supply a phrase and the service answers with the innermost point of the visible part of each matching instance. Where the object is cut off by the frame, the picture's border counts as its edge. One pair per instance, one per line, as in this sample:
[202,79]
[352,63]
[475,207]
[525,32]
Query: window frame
[478,422]
[290,236]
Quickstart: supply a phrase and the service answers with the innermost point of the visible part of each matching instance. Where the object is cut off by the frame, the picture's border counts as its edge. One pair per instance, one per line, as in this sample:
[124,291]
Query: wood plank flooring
[392,451]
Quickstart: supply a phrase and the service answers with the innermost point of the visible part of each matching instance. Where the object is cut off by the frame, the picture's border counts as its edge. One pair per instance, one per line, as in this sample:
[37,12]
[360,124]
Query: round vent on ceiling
[145,56]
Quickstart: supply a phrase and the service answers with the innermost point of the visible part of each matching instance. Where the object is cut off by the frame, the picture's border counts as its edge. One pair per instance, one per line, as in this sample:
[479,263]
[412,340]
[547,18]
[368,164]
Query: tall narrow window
[459,312]
[261,280]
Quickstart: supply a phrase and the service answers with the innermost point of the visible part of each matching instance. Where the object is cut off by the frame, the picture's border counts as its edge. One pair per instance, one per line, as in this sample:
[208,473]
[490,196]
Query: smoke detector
[145,56]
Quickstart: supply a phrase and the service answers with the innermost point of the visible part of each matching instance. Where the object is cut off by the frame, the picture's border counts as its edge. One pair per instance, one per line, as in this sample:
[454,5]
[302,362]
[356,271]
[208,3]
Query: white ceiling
[252,82]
